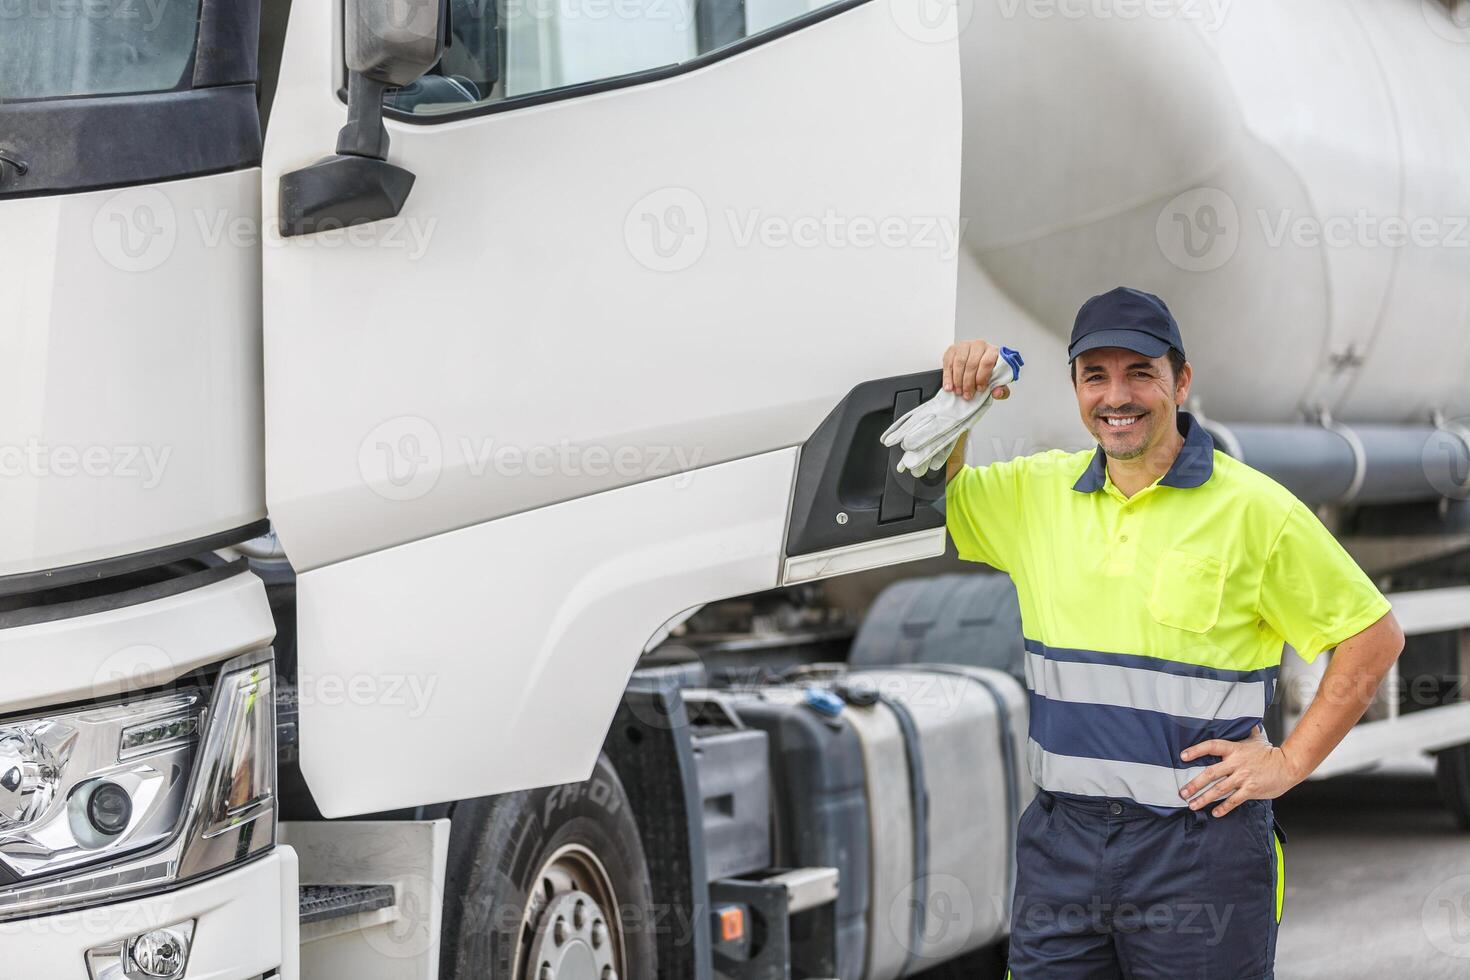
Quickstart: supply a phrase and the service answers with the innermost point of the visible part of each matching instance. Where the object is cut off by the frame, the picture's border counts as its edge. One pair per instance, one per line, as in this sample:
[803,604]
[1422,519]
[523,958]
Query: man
[1158,580]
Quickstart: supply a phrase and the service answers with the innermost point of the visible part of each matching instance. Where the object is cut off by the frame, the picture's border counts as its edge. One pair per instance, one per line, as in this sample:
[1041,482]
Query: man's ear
[1182,382]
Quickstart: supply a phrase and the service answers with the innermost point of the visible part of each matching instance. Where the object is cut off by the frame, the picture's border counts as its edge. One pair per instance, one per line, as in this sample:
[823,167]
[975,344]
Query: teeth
[1120,422]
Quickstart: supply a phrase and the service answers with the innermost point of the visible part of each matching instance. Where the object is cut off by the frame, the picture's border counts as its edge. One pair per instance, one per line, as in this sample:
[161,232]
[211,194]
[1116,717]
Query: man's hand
[1251,769]
[967,368]
[1254,769]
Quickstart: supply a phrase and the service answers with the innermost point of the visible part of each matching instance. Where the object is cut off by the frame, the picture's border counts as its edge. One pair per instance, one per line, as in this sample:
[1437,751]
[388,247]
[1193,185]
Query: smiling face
[1128,402]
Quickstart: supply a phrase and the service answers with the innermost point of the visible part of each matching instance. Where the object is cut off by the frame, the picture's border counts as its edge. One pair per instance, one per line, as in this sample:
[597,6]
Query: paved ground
[1378,881]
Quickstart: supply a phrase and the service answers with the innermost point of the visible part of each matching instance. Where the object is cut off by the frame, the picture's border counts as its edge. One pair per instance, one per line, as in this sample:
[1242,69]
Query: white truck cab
[502,435]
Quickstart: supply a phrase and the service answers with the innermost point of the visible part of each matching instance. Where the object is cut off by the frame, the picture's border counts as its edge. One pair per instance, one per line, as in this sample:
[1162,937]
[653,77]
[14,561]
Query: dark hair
[1176,361]
[1176,364]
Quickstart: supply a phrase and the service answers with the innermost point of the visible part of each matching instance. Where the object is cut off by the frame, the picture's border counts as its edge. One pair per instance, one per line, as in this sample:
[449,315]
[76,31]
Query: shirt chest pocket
[1187,591]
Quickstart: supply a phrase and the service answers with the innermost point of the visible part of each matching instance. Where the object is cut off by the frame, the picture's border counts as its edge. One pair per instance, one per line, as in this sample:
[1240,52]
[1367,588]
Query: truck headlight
[128,796]
[31,760]
[72,793]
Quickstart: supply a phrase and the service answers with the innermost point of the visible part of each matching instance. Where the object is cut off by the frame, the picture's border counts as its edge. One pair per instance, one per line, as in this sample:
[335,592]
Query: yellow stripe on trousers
[1280,875]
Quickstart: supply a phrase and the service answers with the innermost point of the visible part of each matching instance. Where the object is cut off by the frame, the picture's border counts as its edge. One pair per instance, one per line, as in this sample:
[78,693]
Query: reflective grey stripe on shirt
[1149,785]
[1149,690]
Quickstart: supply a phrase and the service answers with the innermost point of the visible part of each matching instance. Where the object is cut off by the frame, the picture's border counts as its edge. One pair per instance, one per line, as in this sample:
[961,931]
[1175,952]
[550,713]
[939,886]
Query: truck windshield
[71,48]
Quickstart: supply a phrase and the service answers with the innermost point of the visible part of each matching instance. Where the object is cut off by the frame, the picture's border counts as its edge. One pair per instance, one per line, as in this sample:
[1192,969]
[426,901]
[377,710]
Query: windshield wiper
[10,162]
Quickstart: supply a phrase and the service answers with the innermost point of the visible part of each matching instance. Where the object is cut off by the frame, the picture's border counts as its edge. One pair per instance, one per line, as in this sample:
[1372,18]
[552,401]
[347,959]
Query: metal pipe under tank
[1334,463]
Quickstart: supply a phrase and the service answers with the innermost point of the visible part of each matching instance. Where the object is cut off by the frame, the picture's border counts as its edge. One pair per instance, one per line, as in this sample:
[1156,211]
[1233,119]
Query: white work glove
[928,433]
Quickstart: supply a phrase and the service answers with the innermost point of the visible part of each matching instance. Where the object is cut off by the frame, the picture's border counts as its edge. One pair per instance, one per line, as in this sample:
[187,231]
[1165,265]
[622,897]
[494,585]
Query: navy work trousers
[1109,889]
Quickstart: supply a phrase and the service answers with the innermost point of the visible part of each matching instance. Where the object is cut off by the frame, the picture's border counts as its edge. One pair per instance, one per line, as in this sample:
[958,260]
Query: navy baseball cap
[1127,318]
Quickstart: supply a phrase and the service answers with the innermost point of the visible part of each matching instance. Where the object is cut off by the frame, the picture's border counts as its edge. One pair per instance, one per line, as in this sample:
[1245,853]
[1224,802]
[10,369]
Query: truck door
[649,246]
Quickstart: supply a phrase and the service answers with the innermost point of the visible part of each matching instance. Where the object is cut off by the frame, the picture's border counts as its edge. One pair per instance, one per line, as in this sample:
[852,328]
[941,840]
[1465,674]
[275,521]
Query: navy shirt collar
[1191,468]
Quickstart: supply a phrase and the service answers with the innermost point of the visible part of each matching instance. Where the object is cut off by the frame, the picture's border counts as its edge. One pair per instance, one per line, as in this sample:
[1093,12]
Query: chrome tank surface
[1289,177]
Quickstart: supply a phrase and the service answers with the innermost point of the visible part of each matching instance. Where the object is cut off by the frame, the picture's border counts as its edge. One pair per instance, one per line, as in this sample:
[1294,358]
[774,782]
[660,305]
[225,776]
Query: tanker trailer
[1290,179]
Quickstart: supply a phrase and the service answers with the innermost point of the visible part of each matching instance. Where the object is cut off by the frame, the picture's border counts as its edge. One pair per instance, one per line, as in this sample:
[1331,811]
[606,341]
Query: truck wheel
[549,884]
[1452,767]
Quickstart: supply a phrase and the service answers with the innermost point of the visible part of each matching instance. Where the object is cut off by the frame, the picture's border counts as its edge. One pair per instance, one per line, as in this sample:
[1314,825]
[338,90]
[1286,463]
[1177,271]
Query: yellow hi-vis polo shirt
[1157,621]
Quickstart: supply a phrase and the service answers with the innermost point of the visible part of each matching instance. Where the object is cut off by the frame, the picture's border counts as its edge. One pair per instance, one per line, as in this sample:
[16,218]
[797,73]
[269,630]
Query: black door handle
[898,499]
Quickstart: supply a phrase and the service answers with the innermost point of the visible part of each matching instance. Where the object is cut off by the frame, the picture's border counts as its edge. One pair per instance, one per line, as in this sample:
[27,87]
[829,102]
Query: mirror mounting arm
[364,135]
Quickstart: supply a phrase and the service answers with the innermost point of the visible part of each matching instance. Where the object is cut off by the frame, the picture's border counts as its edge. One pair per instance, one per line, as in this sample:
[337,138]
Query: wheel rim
[570,929]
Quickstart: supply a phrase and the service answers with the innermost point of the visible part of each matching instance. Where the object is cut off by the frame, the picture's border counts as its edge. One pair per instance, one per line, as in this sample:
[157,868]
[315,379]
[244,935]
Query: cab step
[322,903]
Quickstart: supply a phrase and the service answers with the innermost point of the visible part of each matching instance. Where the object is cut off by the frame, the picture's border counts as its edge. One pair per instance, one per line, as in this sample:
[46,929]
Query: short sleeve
[1312,592]
[983,513]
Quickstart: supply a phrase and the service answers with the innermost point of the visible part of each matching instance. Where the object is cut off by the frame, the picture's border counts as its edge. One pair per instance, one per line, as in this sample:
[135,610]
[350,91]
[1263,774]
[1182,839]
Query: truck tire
[549,884]
[967,619]
[1452,768]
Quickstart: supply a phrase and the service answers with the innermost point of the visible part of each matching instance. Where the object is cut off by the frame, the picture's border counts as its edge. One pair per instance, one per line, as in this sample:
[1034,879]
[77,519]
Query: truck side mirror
[387,44]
